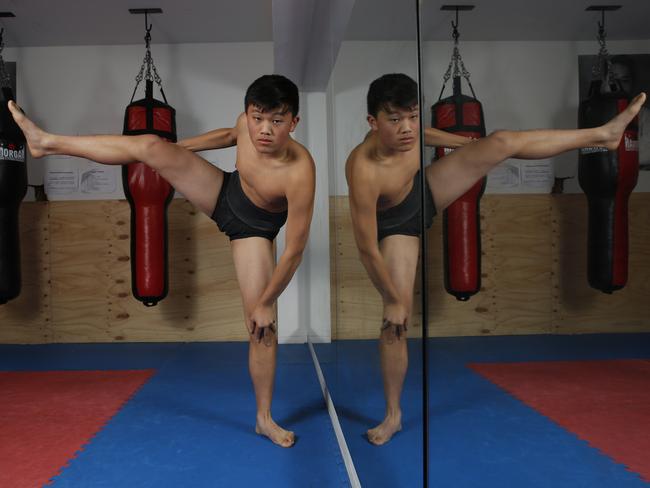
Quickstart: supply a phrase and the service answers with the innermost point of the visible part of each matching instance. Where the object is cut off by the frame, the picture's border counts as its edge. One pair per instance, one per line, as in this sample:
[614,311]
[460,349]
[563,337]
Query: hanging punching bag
[462,115]
[13,186]
[149,196]
[607,178]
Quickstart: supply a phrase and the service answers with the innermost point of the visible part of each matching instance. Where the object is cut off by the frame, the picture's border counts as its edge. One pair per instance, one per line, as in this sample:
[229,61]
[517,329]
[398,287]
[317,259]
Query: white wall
[304,307]
[522,85]
[85,89]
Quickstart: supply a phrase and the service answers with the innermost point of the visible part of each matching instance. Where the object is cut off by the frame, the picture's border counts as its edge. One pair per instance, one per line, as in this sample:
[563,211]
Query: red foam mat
[47,417]
[606,403]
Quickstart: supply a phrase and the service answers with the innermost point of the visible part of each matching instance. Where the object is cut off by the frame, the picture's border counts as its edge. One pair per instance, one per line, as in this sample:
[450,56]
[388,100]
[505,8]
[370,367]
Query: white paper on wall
[98,179]
[61,181]
[506,175]
[537,174]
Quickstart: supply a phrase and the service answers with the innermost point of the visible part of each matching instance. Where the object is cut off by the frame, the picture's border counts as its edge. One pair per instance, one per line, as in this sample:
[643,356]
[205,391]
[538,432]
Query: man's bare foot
[385,431]
[36,137]
[614,128]
[267,427]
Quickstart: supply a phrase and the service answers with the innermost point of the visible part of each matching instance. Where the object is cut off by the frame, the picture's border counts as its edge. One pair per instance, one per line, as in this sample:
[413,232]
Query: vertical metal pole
[423,265]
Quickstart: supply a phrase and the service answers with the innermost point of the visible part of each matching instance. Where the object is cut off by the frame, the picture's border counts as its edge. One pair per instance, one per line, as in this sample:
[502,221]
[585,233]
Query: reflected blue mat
[192,424]
[352,372]
[481,434]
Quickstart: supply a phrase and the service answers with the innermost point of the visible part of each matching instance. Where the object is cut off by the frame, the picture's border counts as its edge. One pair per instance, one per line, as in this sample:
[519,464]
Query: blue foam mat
[192,423]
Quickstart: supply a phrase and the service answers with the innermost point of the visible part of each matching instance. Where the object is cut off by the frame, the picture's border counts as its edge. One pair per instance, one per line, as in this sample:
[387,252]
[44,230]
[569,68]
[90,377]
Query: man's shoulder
[359,162]
[302,159]
[302,169]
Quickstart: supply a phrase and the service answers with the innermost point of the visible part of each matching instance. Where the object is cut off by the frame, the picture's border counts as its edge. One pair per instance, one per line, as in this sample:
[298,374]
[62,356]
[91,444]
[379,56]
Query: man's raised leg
[193,176]
[254,263]
[454,174]
[401,256]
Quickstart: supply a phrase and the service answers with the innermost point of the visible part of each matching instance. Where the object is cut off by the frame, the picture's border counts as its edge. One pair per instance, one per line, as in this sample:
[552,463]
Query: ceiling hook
[147,25]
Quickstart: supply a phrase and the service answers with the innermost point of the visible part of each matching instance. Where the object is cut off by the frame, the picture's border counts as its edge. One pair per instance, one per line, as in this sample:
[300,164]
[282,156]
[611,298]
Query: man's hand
[394,323]
[261,324]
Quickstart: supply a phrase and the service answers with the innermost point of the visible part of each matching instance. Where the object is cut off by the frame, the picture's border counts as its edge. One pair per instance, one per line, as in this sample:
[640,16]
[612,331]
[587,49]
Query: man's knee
[152,149]
[504,140]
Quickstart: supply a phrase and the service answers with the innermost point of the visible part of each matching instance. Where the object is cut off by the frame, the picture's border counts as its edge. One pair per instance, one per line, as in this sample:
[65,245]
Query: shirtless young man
[385,202]
[274,183]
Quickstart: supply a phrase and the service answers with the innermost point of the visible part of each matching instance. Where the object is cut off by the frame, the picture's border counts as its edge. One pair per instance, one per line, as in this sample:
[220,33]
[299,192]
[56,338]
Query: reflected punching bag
[462,115]
[148,193]
[13,186]
[607,178]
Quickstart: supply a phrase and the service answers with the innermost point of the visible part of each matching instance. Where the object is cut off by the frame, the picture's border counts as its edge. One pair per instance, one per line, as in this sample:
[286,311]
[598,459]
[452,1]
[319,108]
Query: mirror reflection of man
[622,71]
[382,175]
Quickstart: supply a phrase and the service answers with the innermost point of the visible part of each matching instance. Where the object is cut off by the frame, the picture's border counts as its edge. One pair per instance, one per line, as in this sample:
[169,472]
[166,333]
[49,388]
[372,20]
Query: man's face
[397,128]
[269,129]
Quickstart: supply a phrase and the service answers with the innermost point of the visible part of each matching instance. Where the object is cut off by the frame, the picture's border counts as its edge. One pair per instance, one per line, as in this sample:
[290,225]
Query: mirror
[373,364]
[515,285]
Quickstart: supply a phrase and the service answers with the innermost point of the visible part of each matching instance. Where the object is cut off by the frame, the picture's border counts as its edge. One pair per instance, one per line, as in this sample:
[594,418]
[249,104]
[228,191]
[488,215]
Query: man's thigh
[198,180]
[400,253]
[254,264]
[453,175]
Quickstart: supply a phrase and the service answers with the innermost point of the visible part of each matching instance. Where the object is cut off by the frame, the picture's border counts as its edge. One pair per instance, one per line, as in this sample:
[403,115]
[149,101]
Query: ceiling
[91,22]
[491,20]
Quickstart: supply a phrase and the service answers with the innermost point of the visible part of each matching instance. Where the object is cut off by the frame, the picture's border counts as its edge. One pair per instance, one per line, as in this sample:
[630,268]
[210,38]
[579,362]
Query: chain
[456,63]
[149,64]
[603,60]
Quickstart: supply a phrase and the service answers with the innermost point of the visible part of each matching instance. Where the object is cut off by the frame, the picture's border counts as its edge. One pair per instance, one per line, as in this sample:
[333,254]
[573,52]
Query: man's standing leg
[254,264]
[400,254]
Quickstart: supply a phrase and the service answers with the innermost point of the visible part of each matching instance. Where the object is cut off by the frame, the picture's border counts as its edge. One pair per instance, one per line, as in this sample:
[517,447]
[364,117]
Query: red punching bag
[462,115]
[148,193]
[607,178]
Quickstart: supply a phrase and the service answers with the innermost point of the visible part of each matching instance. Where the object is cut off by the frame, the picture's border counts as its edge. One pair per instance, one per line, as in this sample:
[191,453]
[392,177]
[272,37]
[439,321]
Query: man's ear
[372,122]
[294,123]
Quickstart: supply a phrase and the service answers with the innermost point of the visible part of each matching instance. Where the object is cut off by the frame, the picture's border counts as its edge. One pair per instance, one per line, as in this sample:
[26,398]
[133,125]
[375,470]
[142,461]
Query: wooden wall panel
[77,278]
[28,318]
[81,290]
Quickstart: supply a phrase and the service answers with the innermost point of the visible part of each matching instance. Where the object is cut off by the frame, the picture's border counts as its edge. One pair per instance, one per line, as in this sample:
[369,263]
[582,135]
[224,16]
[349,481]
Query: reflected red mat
[606,403]
[47,417]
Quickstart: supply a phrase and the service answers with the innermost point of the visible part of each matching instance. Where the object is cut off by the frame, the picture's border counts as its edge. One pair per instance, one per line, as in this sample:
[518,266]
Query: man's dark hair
[271,92]
[392,90]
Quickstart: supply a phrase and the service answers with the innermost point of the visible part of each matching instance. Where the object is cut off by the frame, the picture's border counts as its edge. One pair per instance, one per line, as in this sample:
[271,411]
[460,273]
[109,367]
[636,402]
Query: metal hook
[147,26]
[454,25]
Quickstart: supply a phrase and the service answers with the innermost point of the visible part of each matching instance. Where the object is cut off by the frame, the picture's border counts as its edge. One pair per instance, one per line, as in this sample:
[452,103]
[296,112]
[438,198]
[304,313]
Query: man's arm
[214,139]
[441,138]
[363,209]
[300,198]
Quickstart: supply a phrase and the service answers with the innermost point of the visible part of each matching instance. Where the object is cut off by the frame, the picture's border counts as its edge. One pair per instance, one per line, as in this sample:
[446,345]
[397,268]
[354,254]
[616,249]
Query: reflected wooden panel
[533,274]
[581,309]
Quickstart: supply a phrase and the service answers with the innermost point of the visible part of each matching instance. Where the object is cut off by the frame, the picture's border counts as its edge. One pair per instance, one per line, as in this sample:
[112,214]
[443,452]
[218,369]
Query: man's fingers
[393,330]
[263,333]
[268,335]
